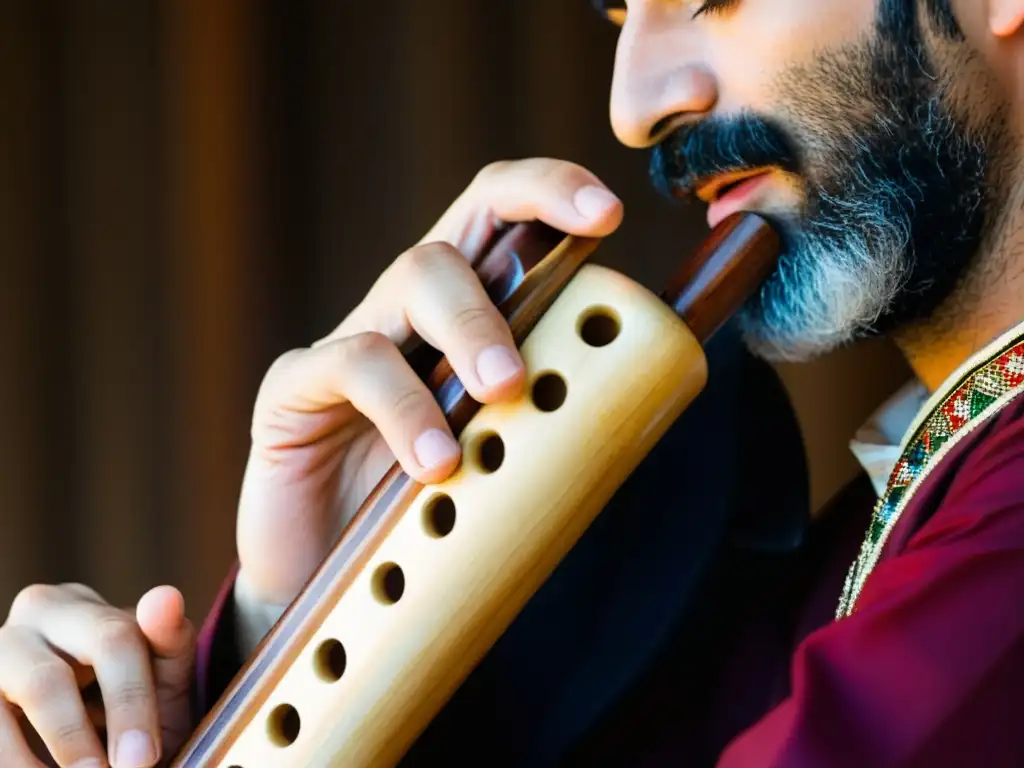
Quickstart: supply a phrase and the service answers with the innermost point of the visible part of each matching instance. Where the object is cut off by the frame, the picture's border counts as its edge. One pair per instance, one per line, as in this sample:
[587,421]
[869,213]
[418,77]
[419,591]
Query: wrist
[254,618]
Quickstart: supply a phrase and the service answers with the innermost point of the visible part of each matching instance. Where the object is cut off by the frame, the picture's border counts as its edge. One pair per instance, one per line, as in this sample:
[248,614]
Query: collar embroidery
[976,391]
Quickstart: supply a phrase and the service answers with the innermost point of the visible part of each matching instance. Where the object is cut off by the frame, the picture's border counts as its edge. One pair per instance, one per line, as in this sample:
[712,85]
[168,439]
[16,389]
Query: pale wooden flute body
[535,474]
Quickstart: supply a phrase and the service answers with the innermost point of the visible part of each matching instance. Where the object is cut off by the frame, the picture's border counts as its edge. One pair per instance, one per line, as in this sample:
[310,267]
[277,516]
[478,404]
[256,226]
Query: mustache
[691,155]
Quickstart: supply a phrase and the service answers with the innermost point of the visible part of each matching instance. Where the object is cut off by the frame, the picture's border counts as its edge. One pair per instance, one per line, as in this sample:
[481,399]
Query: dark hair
[901,15]
[943,15]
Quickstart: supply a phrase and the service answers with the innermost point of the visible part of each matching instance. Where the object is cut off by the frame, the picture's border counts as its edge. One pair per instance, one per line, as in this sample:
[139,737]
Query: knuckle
[13,639]
[362,345]
[426,259]
[475,318]
[43,683]
[411,406]
[116,634]
[29,600]
[492,169]
[130,697]
[71,734]
[536,173]
[561,173]
[277,372]
[83,591]
[282,363]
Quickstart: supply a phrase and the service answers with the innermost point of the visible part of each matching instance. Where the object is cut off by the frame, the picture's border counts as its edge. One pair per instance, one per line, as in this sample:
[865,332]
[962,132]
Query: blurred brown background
[189,188]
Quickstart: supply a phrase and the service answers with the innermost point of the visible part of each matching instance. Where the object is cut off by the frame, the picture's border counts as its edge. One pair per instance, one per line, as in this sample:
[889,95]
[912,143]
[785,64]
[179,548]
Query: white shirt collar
[878,443]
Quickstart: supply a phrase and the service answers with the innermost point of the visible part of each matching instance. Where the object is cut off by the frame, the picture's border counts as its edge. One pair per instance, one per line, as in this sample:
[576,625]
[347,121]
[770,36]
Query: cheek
[978,74]
[754,45]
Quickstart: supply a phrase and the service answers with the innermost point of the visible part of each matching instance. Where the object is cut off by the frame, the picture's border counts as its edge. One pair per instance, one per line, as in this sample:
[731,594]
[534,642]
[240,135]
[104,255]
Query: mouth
[714,189]
[728,192]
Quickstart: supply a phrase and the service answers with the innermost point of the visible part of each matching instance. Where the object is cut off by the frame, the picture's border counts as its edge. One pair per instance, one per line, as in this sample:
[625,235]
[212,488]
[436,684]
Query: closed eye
[710,7]
[615,10]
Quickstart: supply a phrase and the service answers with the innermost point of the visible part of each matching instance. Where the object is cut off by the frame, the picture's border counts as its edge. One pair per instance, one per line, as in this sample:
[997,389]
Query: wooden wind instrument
[426,579]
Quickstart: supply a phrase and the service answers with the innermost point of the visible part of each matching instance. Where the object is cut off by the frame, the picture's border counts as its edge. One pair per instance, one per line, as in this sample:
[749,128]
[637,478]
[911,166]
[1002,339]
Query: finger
[447,306]
[562,194]
[83,591]
[43,686]
[15,750]
[432,290]
[368,372]
[172,638]
[108,640]
[161,617]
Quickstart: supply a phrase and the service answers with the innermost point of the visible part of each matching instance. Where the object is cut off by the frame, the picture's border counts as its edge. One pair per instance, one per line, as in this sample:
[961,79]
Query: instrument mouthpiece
[725,270]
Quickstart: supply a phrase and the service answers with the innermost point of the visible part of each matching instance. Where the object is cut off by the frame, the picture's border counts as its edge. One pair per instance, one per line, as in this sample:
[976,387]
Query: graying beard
[844,272]
[835,288]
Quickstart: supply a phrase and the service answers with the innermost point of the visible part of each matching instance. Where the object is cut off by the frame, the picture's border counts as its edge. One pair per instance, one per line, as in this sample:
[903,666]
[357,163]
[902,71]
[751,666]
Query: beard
[895,191]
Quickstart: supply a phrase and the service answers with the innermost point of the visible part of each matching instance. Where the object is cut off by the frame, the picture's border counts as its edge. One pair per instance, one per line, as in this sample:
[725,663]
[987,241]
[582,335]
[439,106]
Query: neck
[934,361]
[988,303]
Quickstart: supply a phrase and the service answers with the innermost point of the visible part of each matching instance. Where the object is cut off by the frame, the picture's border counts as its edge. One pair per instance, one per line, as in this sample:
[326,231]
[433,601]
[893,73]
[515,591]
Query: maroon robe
[929,668]
[927,671]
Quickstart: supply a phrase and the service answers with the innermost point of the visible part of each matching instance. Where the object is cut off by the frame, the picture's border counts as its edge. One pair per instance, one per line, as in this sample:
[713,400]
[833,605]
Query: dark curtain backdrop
[189,188]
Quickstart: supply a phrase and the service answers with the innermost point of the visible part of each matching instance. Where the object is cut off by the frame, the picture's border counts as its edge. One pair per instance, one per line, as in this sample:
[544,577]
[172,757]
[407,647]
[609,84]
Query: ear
[1005,17]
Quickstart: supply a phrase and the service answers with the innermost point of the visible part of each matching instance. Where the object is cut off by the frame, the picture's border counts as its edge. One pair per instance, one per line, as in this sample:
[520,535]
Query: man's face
[852,122]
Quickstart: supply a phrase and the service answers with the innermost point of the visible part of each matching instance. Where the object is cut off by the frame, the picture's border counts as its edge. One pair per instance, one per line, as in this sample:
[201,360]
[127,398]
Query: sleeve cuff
[217,657]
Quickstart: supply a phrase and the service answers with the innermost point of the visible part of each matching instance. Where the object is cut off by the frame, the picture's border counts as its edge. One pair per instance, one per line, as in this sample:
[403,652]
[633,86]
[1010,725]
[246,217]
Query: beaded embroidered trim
[985,388]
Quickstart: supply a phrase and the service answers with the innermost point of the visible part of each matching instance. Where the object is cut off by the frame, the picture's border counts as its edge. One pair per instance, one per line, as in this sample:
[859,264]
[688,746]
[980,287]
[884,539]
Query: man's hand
[330,419]
[61,641]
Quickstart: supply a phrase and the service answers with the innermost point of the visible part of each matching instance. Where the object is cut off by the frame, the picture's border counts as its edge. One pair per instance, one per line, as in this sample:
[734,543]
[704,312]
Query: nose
[658,84]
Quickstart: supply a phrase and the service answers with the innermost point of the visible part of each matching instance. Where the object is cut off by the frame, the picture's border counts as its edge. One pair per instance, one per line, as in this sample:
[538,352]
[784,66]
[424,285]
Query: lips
[729,192]
[725,192]
[721,185]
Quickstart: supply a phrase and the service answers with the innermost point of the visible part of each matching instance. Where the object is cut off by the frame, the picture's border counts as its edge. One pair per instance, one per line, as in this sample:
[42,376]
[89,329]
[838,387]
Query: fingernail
[89,762]
[135,750]
[496,365]
[434,447]
[594,202]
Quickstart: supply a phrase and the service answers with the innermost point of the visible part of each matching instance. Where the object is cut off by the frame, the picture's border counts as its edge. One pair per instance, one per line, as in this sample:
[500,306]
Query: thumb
[161,617]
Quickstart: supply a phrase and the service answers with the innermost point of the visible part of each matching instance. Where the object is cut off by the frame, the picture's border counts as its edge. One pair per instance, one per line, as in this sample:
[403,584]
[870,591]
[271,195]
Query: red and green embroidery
[976,396]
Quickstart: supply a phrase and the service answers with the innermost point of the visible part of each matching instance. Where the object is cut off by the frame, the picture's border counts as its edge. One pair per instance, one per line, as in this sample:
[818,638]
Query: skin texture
[328,422]
[892,155]
[799,87]
[59,640]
